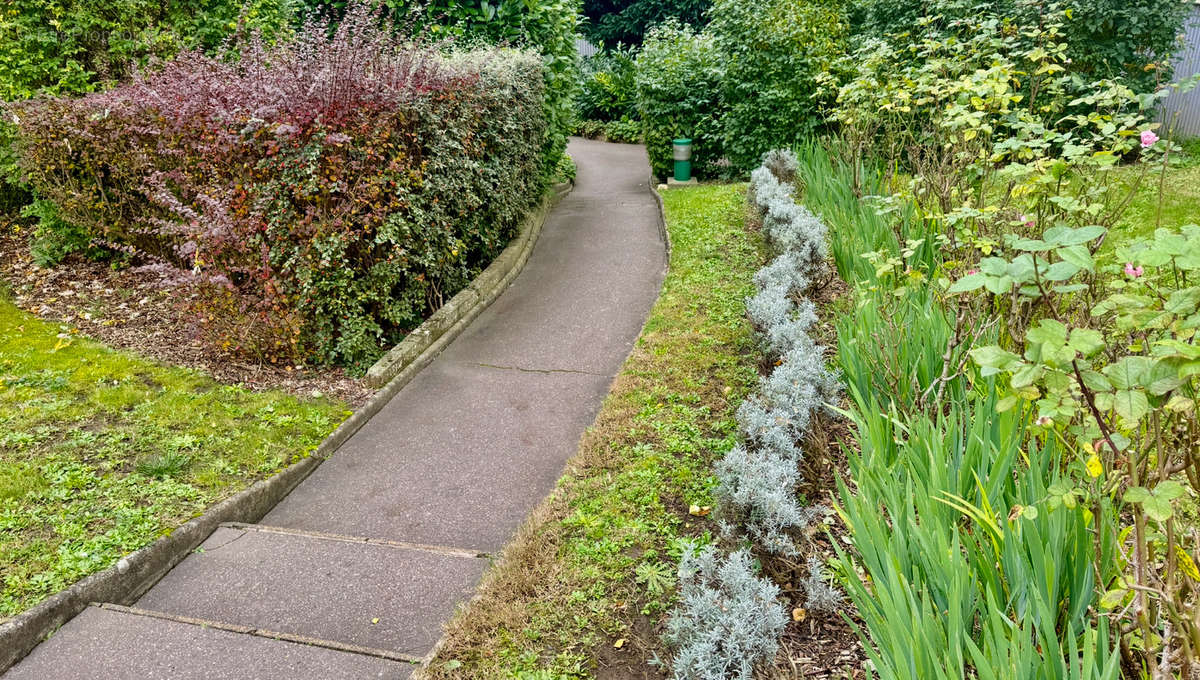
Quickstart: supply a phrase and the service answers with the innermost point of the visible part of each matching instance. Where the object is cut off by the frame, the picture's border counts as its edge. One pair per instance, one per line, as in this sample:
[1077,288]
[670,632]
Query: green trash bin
[683,159]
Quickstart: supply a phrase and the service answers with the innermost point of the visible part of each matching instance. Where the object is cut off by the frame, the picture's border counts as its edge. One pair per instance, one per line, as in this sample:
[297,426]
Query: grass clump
[595,565]
[102,452]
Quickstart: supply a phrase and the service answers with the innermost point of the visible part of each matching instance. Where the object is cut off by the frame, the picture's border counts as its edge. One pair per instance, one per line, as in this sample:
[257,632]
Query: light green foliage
[101,452]
[775,53]
[68,47]
[608,88]
[1104,38]
[971,573]
[679,76]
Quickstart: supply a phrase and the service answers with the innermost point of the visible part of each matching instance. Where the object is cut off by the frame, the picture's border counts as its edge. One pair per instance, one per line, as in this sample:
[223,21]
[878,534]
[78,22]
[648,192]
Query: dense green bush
[313,209]
[608,86]
[70,46]
[1103,38]
[679,74]
[626,22]
[776,54]
[548,27]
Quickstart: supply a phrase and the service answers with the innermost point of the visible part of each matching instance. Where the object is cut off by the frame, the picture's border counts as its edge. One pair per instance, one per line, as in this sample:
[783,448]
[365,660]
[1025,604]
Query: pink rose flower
[1132,271]
[1148,138]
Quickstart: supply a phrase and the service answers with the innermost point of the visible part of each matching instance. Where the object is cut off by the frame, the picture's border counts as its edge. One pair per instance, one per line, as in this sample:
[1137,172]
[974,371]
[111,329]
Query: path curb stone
[136,573]
[469,302]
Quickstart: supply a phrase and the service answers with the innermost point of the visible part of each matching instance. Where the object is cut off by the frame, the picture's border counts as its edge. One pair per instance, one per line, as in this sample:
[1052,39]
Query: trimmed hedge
[314,208]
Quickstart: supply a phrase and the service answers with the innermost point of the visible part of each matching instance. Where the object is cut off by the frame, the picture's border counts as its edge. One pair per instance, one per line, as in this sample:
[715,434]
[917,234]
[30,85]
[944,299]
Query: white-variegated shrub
[728,618]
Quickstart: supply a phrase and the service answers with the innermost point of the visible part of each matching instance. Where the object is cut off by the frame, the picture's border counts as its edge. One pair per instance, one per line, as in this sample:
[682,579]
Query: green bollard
[683,160]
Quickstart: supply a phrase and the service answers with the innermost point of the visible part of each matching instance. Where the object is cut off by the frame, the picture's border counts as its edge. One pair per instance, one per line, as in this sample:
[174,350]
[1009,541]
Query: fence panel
[1187,63]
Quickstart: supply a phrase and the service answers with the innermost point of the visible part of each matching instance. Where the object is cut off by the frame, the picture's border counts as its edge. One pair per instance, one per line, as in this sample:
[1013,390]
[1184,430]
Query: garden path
[355,572]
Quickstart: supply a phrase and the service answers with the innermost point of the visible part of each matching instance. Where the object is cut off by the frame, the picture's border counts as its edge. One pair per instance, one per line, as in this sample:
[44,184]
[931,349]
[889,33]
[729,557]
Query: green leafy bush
[776,54]
[1103,38]
[317,210]
[608,87]
[72,46]
[679,74]
[617,22]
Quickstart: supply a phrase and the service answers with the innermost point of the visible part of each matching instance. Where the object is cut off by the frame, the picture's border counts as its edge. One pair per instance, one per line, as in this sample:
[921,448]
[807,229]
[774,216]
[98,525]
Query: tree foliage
[616,22]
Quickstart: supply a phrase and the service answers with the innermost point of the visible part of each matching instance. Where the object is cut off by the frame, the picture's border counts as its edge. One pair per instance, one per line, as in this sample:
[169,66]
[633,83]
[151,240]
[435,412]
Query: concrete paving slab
[118,646]
[458,458]
[321,588]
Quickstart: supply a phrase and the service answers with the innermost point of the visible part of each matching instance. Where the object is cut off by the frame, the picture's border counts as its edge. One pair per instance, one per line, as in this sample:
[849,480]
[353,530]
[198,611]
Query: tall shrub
[776,53]
[679,73]
[317,198]
[547,27]
[1103,38]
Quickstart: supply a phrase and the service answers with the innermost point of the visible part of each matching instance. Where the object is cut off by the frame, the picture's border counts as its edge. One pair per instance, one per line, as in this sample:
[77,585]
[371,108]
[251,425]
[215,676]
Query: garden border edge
[136,573]
[470,301]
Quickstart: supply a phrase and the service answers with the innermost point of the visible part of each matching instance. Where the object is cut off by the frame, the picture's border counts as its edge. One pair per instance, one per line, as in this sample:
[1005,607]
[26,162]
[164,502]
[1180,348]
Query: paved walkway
[354,573]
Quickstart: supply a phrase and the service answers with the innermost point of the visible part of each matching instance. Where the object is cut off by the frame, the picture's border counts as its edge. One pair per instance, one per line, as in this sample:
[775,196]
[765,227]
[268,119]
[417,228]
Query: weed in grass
[163,465]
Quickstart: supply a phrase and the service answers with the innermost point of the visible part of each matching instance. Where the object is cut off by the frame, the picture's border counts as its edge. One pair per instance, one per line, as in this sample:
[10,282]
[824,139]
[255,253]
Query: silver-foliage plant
[758,493]
[728,618]
[757,483]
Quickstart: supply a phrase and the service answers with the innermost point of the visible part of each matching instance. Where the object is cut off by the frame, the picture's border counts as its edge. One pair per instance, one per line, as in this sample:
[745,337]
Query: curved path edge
[367,553]
[136,573]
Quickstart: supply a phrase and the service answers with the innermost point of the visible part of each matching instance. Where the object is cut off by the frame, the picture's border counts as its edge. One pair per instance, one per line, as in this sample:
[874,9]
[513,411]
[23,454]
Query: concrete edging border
[137,572]
[470,301]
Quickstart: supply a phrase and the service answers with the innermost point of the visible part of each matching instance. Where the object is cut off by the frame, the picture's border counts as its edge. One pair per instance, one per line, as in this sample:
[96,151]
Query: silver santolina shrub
[758,493]
[728,618]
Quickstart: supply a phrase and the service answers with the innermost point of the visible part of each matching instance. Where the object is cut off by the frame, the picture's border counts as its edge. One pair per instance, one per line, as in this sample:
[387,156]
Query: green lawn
[585,584]
[1180,205]
[101,452]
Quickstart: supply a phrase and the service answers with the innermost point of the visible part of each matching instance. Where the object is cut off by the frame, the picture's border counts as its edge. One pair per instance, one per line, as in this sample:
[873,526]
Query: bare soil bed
[128,309]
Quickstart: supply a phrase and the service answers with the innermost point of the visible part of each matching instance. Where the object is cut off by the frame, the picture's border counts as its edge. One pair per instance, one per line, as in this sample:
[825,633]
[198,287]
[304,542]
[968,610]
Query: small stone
[122,566]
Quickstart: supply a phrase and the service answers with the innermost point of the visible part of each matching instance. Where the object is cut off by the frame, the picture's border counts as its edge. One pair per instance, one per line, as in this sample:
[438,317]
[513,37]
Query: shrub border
[137,572]
[460,310]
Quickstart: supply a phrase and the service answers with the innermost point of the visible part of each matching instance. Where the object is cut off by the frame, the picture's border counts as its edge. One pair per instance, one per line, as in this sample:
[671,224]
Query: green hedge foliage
[679,74]
[1104,38]
[776,53]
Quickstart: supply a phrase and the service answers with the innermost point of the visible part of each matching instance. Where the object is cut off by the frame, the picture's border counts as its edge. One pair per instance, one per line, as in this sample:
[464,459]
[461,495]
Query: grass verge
[584,586]
[101,452]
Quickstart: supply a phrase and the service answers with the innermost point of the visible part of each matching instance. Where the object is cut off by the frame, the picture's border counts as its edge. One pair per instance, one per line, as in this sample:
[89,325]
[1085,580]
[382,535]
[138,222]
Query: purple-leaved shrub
[318,197]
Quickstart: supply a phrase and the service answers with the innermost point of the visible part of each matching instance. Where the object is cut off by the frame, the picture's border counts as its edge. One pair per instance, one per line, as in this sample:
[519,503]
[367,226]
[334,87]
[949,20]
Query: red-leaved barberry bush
[315,199]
